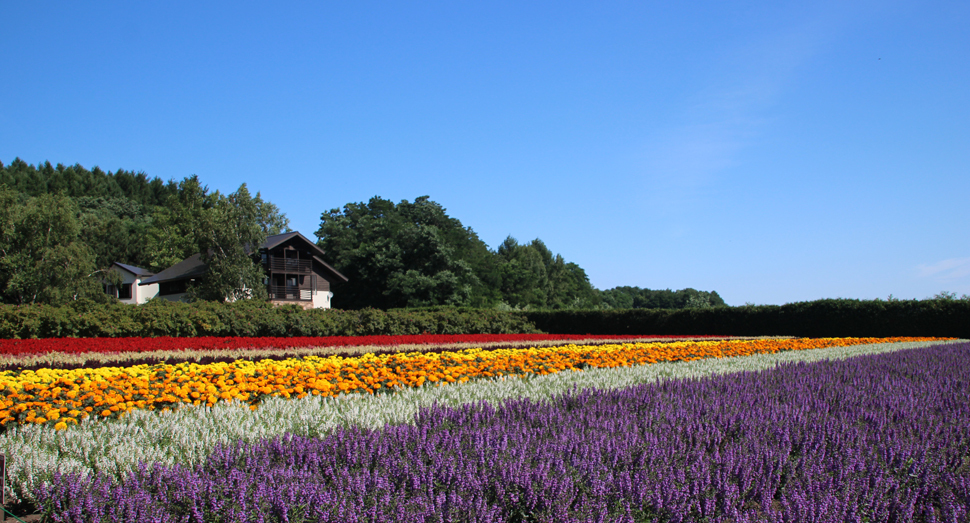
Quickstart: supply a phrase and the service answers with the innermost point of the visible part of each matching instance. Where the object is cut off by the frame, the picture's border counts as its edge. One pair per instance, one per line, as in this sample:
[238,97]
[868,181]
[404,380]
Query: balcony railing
[289,292]
[289,265]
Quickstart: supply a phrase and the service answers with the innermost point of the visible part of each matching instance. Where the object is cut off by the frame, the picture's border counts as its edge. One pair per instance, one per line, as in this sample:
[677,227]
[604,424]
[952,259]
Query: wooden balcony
[288,265]
[289,292]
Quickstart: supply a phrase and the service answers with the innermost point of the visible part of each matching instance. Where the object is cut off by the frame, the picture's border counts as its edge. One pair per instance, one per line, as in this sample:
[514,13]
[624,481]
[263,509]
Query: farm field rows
[65,396]
[137,428]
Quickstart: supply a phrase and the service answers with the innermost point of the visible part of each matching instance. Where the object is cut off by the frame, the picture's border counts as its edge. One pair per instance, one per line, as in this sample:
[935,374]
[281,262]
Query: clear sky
[771,151]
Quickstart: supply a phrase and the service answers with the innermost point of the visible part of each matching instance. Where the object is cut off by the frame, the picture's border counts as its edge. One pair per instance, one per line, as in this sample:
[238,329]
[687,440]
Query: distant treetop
[76,182]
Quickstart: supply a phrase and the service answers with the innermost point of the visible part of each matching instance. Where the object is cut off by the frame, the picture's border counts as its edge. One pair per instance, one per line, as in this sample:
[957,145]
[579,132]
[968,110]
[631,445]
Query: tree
[174,232]
[114,229]
[229,237]
[533,277]
[41,257]
[524,277]
[403,255]
[637,298]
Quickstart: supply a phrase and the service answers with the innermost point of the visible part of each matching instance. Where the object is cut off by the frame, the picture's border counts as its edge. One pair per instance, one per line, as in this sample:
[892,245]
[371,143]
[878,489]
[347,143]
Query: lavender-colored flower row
[873,438]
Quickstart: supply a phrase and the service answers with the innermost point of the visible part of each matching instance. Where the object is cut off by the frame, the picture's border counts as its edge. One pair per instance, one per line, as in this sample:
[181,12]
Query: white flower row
[188,434]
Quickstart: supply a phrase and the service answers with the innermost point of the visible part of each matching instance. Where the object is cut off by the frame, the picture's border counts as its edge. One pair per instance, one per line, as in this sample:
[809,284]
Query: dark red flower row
[114,345]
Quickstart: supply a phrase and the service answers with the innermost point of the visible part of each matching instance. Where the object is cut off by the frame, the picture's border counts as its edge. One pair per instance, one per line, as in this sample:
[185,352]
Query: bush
[815,319]
[245,318]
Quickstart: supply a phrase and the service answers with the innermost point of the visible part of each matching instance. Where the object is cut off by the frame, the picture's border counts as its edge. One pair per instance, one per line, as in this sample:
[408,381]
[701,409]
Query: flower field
[64,353]
[63,397]
[167,343]
[840,429]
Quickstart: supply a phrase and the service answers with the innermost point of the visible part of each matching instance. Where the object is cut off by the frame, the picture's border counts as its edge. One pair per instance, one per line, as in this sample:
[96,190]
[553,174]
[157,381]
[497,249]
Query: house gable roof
[279,239]
[191,267]
[137,271]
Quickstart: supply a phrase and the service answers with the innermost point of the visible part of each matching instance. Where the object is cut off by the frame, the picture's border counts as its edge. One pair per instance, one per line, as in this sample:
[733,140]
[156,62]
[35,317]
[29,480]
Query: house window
[124,292]
[171,287]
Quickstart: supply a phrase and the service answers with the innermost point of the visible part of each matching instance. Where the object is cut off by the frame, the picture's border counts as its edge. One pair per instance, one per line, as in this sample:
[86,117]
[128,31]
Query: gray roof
[137,271]
[191,267]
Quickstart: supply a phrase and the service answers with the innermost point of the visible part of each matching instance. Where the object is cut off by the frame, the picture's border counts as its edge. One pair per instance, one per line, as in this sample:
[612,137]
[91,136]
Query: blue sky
[771,151]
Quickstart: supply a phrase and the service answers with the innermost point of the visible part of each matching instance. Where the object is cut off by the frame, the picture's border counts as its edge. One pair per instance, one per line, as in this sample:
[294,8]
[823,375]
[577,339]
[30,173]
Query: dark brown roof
[278,239]
[137,271]
[191,267]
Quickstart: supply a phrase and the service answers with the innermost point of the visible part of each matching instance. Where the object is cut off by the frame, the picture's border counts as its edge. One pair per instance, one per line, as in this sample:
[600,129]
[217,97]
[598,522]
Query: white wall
[321,299]
[139,294]
[143,293]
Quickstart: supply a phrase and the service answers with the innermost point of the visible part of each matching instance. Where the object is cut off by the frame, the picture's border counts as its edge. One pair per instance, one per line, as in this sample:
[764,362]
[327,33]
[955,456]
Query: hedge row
[822,318]
[815,319]
[244,318]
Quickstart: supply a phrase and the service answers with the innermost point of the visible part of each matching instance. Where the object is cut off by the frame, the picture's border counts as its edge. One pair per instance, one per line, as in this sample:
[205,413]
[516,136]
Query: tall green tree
[41,257]
[75,181]
[175,228]
[534,277]
[403,255]
[413,254]
[229,236]
[114,229]
[524,277]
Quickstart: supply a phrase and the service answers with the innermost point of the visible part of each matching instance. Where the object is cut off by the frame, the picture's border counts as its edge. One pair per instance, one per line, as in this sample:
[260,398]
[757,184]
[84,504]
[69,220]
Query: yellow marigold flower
[60,426]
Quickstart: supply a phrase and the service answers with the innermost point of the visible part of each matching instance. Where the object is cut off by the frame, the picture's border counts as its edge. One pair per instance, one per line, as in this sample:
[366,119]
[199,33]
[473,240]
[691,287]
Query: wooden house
[294,268]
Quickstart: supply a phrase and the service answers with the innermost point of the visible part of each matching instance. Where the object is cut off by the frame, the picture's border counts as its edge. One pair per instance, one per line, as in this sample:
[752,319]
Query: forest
[63,227]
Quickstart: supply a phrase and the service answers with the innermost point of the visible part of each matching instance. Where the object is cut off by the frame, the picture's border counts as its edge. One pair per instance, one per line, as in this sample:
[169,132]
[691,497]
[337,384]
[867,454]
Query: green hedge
[822,318]
[244,318]
[815,319]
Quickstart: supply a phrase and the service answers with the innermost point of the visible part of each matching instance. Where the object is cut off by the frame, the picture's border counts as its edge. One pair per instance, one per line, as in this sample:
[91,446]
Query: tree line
[64,226]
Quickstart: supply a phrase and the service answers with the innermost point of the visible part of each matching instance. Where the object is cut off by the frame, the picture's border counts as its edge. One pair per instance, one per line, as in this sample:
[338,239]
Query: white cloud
[947,270]
[728,116]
